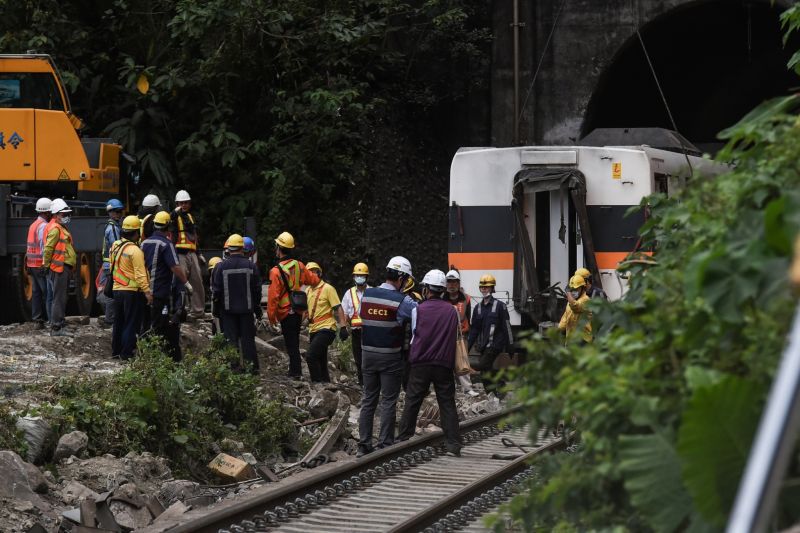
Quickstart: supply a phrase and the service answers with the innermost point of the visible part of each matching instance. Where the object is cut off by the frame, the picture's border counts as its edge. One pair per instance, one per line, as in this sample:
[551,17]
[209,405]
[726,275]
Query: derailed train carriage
[532,215]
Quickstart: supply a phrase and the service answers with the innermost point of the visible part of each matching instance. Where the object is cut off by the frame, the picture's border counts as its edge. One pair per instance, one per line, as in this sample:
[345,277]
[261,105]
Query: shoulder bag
[298,300]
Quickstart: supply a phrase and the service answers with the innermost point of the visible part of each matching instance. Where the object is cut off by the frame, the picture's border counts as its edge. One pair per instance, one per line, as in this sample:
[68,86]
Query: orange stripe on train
[482,261]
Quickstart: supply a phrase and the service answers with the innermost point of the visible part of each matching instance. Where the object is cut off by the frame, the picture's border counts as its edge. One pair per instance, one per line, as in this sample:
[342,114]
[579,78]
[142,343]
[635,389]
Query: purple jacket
[435,331]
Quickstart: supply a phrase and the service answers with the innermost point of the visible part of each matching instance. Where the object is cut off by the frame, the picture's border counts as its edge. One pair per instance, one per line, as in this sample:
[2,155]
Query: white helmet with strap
[400,264]
[59,206]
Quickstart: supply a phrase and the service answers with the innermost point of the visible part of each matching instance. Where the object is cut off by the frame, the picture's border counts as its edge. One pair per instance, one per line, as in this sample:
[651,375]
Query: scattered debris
[231,469]
[73,443]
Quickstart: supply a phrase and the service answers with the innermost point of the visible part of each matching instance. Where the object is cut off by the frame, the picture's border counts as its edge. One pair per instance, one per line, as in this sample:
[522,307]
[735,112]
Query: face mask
[66,219]
[360,280]
[575,294]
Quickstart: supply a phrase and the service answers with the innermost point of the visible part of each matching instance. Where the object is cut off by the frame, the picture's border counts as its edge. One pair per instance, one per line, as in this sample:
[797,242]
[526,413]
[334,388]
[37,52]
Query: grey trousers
[60,281]
[191,264]
[105,301]
[382,377]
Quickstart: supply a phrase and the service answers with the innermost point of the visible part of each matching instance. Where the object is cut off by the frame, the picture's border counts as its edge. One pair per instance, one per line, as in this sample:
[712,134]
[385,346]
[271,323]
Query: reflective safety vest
[116,273]
[184,241]
[380,331]
[355,319]
[461,307]
[106,248]
[292,270]
[33,253]
[60,250]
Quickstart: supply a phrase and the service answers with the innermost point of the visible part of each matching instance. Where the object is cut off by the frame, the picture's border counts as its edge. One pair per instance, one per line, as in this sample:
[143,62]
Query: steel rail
[453,502]
[214,520]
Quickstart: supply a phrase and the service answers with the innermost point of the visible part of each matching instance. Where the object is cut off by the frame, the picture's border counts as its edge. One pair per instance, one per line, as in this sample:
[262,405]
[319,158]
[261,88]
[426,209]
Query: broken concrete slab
[18,481]
[74,492]
[172,512]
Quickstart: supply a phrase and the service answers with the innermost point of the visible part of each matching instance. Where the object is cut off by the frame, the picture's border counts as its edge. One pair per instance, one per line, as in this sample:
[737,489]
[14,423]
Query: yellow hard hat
[361,269]
[235,241]
[584,273]
[214,261]
[576,282]
[131,222]
[285,240]
[487,280]
[161,218]
[313,266]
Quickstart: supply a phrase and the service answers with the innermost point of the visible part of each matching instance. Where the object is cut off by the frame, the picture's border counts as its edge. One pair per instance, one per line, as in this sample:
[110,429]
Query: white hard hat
[151,200]
[59,206]
[43,205]
[435,279]
[183,196]
[401,264]
[453,274]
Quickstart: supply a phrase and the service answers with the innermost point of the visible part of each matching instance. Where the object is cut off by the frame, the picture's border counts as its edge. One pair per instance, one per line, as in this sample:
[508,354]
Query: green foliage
[268,108]
[668,396]
[172,409]
[10,438]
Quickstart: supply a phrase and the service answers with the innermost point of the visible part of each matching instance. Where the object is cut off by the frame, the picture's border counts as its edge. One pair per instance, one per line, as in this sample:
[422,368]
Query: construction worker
[162,263]
[591,290]
[237,289]
[215,323]
[111,234]
[284,278]
[250,250]
[59,257]
[577,299]
[351,306]
[410,290]
[323,306]
[490,328]
[463,304]
[433,356]
[184,235]
[150,206]
[131,289]
[33,261]
[384,312]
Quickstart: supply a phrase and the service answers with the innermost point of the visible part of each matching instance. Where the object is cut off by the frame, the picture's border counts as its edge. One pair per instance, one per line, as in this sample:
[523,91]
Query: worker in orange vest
[286,303]
[351,305]
[59,257]
[33,261]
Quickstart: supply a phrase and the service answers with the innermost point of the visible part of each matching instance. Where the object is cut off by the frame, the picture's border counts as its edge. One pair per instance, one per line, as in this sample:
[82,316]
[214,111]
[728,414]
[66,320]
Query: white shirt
[347,301]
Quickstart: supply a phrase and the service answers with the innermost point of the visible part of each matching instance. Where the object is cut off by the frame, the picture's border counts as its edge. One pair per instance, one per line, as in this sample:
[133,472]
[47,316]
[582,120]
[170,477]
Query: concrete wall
[587,37]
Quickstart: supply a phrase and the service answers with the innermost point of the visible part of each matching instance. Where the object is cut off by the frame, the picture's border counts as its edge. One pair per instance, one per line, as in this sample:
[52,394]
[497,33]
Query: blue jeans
[39,309]
[382,376]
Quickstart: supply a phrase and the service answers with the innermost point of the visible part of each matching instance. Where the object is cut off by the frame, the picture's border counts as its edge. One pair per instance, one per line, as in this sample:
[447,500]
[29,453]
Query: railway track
[412,486]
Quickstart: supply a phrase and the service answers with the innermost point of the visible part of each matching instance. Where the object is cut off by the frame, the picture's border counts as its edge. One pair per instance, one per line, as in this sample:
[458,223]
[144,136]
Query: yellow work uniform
[573,312]
[322,299]
[128,268]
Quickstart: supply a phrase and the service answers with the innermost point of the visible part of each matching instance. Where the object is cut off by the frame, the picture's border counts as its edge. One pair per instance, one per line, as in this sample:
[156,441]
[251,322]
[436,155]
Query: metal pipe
[515,24]
[773,444]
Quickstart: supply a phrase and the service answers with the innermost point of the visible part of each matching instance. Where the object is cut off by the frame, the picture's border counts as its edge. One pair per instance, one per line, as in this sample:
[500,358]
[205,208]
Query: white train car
[533,215]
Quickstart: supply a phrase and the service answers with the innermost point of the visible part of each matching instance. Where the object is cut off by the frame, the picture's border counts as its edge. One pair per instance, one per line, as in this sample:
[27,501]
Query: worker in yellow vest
[185,237]
[131,289]
[59,259]
[351,306]
[324,313]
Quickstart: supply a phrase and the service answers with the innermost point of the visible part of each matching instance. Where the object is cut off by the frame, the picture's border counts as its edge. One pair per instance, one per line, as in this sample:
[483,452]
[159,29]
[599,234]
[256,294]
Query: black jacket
[490,326]
[237,285]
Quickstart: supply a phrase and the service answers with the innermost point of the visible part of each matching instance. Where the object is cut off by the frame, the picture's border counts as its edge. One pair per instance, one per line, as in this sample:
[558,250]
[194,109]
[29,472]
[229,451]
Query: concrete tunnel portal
[715,60]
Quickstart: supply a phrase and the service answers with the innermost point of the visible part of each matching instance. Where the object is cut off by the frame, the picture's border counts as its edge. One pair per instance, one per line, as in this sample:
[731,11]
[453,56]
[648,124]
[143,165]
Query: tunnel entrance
[715,60]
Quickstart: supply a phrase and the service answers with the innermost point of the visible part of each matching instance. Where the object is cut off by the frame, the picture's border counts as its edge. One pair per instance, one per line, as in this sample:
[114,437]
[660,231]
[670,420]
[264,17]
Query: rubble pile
[55,482]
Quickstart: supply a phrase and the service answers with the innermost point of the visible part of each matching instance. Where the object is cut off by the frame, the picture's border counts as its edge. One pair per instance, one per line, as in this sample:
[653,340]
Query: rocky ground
[137,489]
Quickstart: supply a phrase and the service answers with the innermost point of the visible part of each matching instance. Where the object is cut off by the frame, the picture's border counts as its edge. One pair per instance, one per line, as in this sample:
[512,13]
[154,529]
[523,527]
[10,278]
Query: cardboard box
[231,468]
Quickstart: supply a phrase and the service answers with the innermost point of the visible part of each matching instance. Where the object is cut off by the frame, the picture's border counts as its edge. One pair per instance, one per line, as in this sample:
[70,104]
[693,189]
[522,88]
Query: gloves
[343,334]
[188,287]
[259,312]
